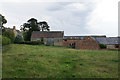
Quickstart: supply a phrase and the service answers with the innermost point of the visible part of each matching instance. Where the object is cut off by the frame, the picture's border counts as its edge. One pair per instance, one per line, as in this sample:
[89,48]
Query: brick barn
[69,41]
[49,37]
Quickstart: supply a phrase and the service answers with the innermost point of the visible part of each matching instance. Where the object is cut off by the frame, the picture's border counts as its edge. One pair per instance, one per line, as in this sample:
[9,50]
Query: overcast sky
[83,17]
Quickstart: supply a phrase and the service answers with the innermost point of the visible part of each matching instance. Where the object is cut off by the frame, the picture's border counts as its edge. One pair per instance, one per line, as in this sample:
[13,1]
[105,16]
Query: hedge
[31,42]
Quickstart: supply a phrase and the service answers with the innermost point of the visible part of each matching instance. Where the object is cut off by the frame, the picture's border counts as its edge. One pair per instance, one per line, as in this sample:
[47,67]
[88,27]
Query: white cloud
[104,18]
[85,17]
[18,1]
[76,6]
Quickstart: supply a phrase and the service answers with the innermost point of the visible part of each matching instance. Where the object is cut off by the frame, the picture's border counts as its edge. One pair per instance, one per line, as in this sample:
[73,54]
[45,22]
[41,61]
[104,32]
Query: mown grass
[27,61]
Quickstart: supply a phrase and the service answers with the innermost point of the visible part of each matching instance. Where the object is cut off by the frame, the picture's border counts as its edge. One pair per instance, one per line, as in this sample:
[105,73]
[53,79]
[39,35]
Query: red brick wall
[117,45]
[67,43]
[88,43]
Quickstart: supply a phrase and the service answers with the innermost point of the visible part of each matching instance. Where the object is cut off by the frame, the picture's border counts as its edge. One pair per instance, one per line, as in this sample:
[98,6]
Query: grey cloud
[58,15]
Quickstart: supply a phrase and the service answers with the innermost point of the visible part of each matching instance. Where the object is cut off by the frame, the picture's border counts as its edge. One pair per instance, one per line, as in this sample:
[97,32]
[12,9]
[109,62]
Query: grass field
[27,61]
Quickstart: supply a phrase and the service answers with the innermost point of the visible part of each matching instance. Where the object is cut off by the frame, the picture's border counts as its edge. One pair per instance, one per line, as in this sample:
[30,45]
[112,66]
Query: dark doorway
[116,46]
[72,45]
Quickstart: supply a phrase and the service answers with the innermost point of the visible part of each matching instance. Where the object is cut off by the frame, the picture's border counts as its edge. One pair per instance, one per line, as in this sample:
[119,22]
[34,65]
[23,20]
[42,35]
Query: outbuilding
[110,42]
[77,41]
[49,37]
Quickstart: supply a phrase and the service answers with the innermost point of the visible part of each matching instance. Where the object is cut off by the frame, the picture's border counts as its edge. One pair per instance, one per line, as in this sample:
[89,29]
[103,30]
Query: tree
[33,25]
[27,35]
[44,26]
[2,21]
[29,27]
[9,34]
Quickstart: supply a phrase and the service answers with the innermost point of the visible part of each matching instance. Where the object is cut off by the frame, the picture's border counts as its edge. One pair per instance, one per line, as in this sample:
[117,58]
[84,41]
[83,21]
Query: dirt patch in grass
[102,71]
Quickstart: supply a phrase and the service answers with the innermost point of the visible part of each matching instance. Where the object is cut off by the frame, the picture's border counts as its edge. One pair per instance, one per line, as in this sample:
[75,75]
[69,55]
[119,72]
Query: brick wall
[110,46]
[88,43]
[113,46]
[67,42]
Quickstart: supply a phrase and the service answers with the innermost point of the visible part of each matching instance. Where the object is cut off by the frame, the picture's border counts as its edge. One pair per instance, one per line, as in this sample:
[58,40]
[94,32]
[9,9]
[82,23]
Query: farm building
[111,42]
[70,41]
[78,42]
[91,42]
[49,37]
[87,43]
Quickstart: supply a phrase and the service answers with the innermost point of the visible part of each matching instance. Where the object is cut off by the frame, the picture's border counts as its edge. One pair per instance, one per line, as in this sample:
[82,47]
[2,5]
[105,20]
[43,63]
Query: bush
[31,42]
[103,46]
[18,39]
[5,40]
[42,40]
[9,34]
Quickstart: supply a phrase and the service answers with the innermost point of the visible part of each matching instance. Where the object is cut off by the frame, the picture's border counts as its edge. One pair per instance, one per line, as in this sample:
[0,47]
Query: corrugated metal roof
[74,37]
[80,37]
[108,40]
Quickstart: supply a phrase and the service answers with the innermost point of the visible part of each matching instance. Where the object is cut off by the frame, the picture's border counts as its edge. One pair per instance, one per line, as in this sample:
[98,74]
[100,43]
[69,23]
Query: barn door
[50,41]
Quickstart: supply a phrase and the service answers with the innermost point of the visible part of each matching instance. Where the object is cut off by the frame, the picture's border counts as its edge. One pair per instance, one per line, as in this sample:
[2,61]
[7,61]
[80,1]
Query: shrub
[42,40]
[103,46]
[31,42]
[9,34]
[5,40]
[18,39]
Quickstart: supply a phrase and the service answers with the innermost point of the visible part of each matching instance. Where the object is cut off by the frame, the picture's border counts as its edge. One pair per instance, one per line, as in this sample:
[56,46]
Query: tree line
[28,27]
[33,25]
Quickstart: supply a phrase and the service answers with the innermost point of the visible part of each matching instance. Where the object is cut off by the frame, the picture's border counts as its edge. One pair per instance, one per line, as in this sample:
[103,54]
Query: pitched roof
[45,34]
[108,40]
[81,37]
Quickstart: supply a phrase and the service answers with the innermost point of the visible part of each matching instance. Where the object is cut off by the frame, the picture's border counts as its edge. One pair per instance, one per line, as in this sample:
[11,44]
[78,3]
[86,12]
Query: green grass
[27,61]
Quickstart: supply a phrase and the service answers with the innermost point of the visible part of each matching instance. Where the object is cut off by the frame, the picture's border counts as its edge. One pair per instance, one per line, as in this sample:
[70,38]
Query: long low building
[111,42]
[49,37]
[91,42]
[78,42]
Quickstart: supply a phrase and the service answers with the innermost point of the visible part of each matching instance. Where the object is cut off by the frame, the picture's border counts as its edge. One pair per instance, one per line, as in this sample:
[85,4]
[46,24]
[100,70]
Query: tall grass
[39,61]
